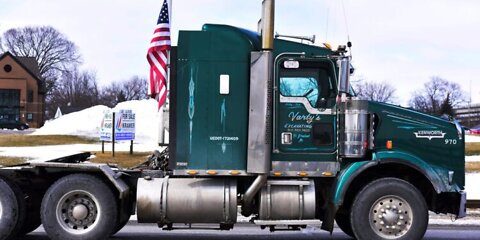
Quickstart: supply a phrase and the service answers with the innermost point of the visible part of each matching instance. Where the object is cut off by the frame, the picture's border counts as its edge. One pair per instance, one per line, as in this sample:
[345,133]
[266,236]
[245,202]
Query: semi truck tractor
[263,127]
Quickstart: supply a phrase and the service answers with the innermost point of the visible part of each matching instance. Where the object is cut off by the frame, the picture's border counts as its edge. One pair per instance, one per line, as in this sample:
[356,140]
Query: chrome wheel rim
[1,211]
[77,212]
[391,217]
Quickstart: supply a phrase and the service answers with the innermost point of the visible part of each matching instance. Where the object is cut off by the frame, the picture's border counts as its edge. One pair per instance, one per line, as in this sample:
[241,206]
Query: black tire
[343,221]
[125,211]
[32,219]
[79,206]
[12,210]
[389,208]
[120,224]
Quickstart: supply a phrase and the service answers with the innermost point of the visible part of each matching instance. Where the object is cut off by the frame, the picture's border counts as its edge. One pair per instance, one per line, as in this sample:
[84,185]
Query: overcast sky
[404,42]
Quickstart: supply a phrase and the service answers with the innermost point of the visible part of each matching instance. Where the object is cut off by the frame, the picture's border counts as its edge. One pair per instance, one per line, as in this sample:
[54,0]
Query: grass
[41,140]
[472,148]
[10,161]
[122,159]
[472,166]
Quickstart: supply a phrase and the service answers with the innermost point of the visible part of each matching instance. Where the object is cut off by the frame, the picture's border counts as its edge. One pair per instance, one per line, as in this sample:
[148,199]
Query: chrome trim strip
[292,168]
[306,104]
[287,222]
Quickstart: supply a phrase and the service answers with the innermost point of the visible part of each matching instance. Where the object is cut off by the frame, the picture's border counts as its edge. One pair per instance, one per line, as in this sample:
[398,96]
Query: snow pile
[87,122]
[471,181]
[472,138]
[82,123]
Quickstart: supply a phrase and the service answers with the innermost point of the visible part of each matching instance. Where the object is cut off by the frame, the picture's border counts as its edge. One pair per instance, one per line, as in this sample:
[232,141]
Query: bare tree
[54,53]
[379,92]
[75,88]
[134,88]
[437,97]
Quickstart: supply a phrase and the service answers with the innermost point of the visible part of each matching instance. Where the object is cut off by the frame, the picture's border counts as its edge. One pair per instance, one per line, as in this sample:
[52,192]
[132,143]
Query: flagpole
[163,109]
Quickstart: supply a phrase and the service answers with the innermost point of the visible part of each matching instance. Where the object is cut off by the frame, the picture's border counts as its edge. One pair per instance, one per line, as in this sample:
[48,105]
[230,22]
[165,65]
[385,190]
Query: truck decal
[429,134]
[191,106]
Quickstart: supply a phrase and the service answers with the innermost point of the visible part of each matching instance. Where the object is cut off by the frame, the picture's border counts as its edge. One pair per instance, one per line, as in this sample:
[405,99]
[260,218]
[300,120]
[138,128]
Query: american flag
[157,56]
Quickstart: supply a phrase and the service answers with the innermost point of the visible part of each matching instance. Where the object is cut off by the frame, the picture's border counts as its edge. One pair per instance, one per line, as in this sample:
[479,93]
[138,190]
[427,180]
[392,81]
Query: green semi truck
[263,127]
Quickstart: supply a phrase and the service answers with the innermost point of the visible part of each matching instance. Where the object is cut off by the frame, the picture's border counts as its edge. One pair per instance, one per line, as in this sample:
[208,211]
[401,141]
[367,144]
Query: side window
[297,86]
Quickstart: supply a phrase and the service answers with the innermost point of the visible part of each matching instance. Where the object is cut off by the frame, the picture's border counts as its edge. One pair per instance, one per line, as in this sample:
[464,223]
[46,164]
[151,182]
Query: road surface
[136,231]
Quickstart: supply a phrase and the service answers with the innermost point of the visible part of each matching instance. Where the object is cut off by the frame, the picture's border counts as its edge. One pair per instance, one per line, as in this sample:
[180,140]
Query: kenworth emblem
[429,134]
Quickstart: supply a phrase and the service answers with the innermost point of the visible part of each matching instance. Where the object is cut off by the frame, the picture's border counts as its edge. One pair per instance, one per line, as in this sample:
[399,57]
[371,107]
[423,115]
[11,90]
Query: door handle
[286,138]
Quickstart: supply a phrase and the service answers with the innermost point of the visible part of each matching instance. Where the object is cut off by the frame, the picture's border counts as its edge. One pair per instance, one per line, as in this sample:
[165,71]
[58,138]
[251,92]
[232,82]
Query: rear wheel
[389,208]
[32,219]
[12,210]
[79,206]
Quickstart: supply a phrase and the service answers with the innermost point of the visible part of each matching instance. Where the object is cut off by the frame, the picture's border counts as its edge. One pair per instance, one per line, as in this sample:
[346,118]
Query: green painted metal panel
[212,127]
[433,140]
[344,178]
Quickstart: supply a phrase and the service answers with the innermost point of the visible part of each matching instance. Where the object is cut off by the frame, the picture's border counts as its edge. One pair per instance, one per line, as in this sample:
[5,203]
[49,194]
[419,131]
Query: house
[22,90]
[66,110]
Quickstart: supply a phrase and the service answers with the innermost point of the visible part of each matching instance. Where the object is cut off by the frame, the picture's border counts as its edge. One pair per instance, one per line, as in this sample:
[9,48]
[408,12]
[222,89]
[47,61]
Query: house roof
[70,109]
[31,66]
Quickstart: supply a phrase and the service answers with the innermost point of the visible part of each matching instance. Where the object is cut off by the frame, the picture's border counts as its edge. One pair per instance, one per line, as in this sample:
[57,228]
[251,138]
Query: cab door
[304,116]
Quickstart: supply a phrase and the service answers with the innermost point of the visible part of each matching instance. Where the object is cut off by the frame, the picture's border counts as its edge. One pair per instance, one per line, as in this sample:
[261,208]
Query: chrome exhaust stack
[260,108]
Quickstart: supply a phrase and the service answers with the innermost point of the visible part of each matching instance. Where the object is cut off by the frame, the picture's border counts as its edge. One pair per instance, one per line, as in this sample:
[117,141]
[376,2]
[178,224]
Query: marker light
[291,64]
[389,145]
[211,172]
[277,174]
[327,174]
[192,172]
[302,174]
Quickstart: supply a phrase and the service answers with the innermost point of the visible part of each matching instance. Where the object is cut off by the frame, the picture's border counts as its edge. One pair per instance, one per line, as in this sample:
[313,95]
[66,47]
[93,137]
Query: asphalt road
[251,232]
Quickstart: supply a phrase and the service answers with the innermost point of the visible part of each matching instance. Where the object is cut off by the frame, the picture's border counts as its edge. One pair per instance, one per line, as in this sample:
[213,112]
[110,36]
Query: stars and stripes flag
[157,56]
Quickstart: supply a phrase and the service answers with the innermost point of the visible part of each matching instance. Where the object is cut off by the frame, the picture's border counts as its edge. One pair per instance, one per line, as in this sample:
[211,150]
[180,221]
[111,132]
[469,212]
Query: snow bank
[87,122]
[82,123]
[471,180]
[474,158]
[472,138]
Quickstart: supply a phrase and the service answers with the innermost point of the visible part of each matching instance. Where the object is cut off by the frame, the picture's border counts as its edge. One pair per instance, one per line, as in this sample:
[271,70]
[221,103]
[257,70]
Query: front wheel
[389,208]
[343,222]
[79,206]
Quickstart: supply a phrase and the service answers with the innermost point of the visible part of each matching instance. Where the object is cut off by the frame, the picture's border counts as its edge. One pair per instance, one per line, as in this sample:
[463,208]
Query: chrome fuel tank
[178,200]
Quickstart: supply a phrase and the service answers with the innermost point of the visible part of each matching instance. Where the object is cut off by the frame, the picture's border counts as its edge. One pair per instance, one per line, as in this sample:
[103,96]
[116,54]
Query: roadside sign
[106,126]
[124,125]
